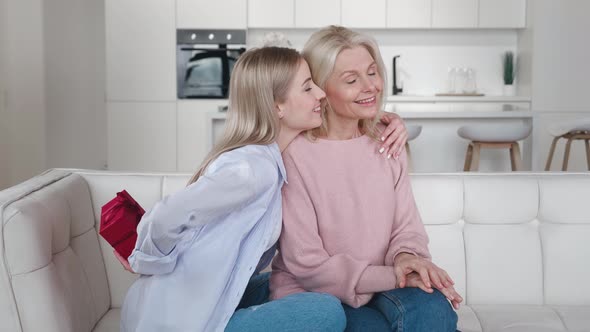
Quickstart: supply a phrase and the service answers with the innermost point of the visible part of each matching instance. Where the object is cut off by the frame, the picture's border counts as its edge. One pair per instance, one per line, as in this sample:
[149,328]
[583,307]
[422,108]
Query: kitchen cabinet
[141,136]
[193,135]
[363,14]
[454,13]
[316,14]
[206,14]
[502,13]
[140,50]
[271,13]
[409,13]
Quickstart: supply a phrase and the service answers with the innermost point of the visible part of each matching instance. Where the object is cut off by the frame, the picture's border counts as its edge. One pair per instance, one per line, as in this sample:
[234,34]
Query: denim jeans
[403,310]
[297,312]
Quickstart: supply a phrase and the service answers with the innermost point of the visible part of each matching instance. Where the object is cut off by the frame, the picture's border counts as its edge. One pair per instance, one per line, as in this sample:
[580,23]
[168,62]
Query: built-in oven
[204,61]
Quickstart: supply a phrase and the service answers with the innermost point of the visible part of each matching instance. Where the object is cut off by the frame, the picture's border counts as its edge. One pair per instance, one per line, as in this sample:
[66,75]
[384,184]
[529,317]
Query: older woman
[350,224]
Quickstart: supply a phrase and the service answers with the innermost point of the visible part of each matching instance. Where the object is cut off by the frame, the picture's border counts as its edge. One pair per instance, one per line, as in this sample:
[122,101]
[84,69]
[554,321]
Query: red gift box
[118,222]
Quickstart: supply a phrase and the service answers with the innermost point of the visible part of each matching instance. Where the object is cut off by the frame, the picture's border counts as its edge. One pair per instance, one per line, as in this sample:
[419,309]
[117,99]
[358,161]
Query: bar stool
[571,130]
[413,132]
[505,136]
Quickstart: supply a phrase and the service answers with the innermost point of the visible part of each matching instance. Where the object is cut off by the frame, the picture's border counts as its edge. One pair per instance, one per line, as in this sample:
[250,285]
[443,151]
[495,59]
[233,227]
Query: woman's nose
[368,85]
[320,94]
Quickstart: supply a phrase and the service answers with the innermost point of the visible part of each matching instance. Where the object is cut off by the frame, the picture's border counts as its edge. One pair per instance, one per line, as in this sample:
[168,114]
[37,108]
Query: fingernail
[381,150]
[396,156]
[382,138]
[389,156]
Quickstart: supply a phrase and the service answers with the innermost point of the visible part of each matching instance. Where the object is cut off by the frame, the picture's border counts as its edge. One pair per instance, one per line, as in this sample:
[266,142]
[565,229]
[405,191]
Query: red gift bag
[118,222]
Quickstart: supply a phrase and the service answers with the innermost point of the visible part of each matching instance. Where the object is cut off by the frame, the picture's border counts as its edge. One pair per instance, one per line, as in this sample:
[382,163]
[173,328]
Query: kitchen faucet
[396,90]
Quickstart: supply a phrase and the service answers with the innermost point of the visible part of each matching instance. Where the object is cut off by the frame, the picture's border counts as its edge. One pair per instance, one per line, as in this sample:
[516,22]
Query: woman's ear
[279,111]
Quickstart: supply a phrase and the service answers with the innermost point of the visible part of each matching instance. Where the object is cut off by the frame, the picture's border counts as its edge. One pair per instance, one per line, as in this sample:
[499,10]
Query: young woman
[198,248]
[350,224]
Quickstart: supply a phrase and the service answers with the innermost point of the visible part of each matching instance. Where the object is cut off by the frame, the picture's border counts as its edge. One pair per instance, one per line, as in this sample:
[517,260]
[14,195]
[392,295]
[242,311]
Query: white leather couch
[517,245]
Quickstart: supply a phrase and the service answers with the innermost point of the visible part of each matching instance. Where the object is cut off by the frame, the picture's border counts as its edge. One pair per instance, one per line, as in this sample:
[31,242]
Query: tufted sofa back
[506,239]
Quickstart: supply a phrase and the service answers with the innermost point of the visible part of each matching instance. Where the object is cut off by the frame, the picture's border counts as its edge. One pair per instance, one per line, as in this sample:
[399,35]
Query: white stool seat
[564,127]
[495,133]
[413,132]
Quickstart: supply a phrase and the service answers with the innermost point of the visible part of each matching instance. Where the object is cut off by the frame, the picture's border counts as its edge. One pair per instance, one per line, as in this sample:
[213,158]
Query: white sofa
[517,245]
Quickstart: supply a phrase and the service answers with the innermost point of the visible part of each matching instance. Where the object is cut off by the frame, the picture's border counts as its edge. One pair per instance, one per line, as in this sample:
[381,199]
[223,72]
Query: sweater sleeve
[176,218]
[408,234]
[304,255]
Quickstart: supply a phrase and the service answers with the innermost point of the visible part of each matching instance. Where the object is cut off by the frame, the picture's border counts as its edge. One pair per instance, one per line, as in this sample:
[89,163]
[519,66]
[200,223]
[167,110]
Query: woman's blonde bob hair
[321,51]
[260,78]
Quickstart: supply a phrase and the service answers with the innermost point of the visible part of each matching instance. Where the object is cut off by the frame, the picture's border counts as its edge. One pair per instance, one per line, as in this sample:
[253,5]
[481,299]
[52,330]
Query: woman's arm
[177,218]
[303,253]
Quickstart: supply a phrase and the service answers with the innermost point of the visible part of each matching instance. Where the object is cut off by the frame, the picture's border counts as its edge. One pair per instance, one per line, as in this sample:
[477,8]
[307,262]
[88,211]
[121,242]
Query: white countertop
[456,99]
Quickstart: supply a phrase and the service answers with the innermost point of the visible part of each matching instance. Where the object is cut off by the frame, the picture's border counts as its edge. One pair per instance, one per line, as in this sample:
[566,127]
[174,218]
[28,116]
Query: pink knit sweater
[347,212]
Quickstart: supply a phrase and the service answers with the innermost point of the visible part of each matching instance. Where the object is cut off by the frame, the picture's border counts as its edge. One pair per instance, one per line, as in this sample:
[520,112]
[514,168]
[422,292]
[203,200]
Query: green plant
[509,68]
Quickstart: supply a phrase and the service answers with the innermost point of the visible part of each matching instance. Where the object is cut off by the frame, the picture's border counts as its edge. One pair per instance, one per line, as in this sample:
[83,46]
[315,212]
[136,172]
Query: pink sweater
[347,212]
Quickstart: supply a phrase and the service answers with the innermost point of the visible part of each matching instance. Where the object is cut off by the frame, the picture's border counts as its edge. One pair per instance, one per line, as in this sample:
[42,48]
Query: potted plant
[509,67]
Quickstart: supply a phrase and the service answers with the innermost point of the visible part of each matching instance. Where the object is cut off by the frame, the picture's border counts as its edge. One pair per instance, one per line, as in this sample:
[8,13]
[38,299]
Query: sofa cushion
[58,284]
[518,318]
[110,322]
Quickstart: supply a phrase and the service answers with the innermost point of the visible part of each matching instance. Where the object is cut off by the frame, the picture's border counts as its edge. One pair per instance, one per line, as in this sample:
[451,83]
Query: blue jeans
[403,310]
[297,312]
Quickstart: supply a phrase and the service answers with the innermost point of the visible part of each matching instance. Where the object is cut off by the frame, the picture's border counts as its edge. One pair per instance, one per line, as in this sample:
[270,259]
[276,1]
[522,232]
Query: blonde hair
[321,51]
[260,78]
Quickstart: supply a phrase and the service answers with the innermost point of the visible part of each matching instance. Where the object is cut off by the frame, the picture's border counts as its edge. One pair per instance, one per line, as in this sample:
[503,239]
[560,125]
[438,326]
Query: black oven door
[205,72]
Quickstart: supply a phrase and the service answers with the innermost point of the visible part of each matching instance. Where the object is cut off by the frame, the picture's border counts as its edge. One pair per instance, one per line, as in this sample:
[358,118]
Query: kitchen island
[438,148]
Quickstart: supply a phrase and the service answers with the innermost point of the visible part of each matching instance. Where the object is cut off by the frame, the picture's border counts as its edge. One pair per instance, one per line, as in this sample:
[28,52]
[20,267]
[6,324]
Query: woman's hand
[415,280]
[394,137]
[123,262]
[405,263]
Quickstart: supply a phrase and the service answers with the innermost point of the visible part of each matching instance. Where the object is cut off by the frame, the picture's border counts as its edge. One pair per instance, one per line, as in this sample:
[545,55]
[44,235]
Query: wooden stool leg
[409,156]
[566,155]
[515,157]
[588,153]
[551,151]
[468,158]
[475,163]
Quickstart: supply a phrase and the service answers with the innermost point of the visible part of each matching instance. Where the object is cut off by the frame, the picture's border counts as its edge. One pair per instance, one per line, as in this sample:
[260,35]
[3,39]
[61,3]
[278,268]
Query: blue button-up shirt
[197,248]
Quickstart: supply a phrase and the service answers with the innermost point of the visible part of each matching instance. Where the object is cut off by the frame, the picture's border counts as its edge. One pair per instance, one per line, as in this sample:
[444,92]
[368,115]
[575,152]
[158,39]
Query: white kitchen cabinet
[454,13]
[409,13]
[271,13]
[363,14]
[502,13]
[141,136]
[207,14]
[140,50]
[193,134]
[316,14]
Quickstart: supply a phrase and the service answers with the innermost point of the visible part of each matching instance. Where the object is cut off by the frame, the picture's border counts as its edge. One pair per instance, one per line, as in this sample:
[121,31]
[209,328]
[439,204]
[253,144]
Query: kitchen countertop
[460,99]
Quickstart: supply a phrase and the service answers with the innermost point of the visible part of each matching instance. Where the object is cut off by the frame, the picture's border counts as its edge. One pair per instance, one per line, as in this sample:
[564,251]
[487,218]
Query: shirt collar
[276,154]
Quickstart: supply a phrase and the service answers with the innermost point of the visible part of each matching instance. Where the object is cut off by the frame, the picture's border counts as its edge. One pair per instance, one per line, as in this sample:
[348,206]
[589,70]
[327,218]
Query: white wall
[555,70]
[24,104]
[426,55]
[4,137]
[74,35]
[52,109]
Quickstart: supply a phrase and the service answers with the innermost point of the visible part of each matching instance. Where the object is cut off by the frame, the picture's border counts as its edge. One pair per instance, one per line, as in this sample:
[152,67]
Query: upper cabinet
[502,13]
[363,14]
[454,13]
[140,50]
[316,14]
[409,13]
[271,13]
[207,14]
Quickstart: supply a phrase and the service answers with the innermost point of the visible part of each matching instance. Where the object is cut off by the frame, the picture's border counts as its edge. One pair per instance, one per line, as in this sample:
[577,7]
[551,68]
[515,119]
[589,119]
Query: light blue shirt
[197,249]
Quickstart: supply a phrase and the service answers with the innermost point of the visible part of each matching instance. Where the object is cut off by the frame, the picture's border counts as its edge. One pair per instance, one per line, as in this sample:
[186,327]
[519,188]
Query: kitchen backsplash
[426,55]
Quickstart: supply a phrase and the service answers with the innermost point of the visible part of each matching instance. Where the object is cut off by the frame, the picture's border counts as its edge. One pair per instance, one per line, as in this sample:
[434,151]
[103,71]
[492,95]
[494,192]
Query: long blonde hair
[260,78]
[321,51]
